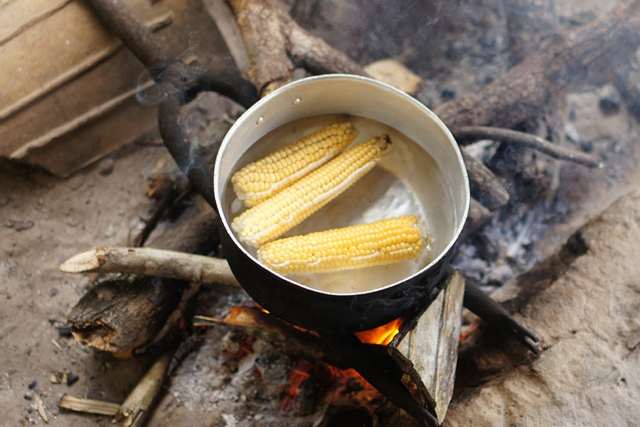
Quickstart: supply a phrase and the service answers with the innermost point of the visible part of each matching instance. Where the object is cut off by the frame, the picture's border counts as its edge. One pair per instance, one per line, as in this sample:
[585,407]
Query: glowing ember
[381,335]
[298,375]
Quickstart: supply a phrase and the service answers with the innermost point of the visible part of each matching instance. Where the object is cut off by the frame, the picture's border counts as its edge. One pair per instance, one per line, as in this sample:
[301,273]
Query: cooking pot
[424,175]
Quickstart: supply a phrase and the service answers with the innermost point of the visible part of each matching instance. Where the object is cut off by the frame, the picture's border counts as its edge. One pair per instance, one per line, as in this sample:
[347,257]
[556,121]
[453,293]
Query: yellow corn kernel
[260,180]
[275,216]
[366,245]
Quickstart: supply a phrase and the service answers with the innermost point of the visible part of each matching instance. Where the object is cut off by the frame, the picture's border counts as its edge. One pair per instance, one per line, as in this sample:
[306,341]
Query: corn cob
[260,180]
[377,243]
[275,216]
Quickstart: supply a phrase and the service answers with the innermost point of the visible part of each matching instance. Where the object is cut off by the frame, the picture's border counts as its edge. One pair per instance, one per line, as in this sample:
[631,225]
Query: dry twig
[41,410]
[89,406]
[152,262]
[468,134]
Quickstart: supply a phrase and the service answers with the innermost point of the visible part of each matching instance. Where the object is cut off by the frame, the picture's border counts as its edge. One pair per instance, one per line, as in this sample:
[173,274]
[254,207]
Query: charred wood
[584,57]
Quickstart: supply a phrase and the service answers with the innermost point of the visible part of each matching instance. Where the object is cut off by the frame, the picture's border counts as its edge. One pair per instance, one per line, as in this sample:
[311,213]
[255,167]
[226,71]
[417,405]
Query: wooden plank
[429,352]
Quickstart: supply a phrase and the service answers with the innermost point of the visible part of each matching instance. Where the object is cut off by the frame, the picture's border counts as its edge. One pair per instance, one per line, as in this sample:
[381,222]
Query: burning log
[123,313]
[261,324]
[422,356]
[152,262]
[427,348]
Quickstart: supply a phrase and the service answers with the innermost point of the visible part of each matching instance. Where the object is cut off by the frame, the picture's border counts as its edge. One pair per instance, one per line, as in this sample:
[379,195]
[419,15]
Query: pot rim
[244,121]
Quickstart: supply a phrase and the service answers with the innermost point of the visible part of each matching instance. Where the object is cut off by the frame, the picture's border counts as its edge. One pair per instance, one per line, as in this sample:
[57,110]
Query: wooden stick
[41,410]
[486,188]
[136,407]
[152,262]
[89,406]
[467,134]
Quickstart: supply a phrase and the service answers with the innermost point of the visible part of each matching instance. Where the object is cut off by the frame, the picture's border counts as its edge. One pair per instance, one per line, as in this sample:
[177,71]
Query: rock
[609,100]
[19,224]
[106,166]
[395,74]
[585,309]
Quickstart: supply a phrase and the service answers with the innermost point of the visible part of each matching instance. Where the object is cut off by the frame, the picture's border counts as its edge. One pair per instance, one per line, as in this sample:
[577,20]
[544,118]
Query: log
[486,188]
[123,313]
[584,57]
[137,406]
[276,44]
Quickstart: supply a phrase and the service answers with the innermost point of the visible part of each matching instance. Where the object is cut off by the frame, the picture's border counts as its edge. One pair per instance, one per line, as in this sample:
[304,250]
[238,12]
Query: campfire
[207,291]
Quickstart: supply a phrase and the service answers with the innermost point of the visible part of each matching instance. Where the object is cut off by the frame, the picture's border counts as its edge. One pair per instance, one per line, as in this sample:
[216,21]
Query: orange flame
[381,335]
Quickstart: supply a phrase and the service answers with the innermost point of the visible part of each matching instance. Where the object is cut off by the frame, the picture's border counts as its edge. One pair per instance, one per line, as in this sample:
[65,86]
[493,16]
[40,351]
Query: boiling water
[407,181]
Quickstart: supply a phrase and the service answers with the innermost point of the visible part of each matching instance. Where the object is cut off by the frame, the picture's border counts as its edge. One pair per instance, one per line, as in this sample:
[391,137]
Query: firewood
[122,313]
[152,262]
[467,134]
[587,56]
[276,44]
[88,406]
[137,406]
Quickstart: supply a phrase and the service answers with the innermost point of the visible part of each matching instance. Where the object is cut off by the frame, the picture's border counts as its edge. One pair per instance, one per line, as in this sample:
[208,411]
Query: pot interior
[422,175]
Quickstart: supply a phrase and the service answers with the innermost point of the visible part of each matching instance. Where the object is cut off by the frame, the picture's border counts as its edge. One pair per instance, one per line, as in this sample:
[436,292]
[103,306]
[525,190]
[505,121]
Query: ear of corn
[378,243]
[275,216]
[260,180]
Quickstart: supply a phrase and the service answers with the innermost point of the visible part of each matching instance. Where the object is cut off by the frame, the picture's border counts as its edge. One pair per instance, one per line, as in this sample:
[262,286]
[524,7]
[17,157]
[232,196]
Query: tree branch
[152,262]
[468,134]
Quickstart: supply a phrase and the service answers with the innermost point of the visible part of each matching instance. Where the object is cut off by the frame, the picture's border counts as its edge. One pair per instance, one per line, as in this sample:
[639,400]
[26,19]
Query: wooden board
[430,349]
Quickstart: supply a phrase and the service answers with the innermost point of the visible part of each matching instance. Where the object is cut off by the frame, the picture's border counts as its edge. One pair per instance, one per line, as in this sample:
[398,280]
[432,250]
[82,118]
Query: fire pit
[409,361]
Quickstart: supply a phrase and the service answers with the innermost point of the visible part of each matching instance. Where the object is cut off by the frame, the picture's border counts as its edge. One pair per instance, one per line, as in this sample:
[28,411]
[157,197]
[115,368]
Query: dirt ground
[44,220]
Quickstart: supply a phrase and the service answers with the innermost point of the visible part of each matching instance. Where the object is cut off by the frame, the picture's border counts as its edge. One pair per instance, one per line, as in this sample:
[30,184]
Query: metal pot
[438,187]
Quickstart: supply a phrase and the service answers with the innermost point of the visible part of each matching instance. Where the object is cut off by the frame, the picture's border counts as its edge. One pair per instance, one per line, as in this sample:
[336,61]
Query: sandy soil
[44,220]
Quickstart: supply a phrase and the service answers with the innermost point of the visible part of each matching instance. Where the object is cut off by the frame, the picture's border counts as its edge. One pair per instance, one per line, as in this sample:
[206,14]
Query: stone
[587,318]
[395,74]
